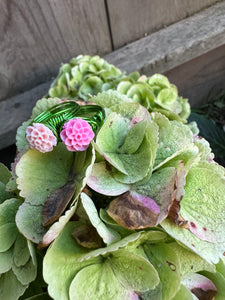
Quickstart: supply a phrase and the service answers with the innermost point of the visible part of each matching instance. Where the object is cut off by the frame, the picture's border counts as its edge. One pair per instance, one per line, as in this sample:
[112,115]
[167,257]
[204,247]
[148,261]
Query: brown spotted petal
[162,187]
[202,287]
[174,208]
[87,236]
[56,203]
[134,211]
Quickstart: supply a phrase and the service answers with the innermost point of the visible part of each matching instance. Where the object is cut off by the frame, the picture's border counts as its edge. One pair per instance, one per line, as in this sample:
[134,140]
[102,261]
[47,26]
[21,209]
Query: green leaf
[8,211]
[21,141]
[5,174]
[25,274]
[6,260]
[108,235]
[8,234]
[29,222]
[21,247]
[40,173]
[61,262]
[10,287]
[4,195]
[167,265]
[8,229]
[206,217]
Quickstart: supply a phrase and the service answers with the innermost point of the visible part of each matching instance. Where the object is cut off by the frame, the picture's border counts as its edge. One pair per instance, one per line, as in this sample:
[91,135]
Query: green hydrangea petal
[25,274]
[5,174]
[40,173]
[61,262]
[167,265]
[29,222]
[211,252]
[102,181]
[21,247]
[109,98]
[141,276]
[184,294]
[10,287]
[97,282]
[203,203]
[173,137]
[191,262]
[111,248]
[6,260]
[219,280]
[107,234]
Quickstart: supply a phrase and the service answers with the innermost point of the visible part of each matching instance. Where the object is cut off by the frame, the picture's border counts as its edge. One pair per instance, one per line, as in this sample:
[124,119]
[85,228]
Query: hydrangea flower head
[77,134]
[40,137]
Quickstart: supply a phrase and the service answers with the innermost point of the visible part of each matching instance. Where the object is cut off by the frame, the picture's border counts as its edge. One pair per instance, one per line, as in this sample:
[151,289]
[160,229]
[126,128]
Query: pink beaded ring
[60,123]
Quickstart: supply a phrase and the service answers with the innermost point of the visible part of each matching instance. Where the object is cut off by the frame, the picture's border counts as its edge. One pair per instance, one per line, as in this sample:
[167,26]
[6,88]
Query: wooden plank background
[36,36]
[201,77]
[133,19]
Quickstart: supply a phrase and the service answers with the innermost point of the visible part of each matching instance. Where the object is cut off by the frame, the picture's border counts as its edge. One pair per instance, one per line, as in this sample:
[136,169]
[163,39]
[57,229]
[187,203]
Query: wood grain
[175,44]
[38,35]
[132,20]
[200,77]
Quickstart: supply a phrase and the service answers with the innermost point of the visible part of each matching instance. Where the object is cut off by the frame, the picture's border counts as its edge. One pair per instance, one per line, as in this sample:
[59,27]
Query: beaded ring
[68,122]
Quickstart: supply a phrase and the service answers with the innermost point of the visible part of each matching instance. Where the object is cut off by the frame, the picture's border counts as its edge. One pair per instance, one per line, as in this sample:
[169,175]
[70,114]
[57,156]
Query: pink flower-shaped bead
[77,134]
[40,137]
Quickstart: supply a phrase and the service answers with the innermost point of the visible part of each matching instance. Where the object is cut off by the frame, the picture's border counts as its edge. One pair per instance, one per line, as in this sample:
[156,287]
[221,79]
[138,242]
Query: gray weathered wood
[16,110]
[38,35]
[200,77]
[132,19]
[174,45]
